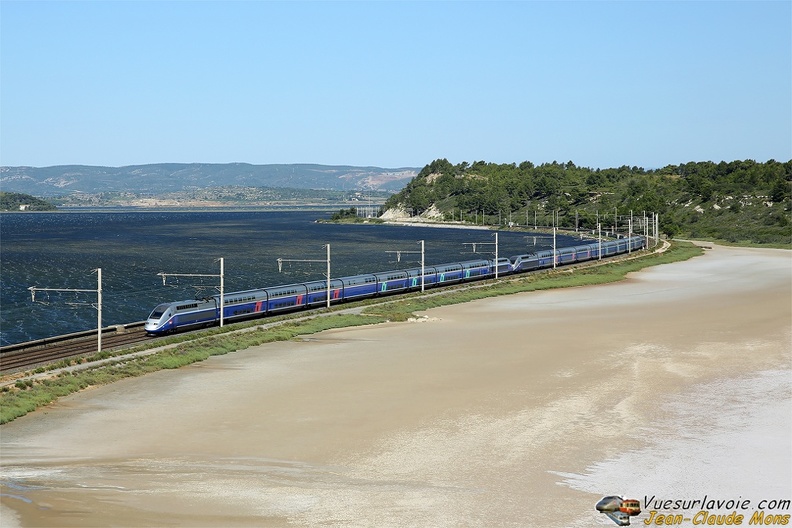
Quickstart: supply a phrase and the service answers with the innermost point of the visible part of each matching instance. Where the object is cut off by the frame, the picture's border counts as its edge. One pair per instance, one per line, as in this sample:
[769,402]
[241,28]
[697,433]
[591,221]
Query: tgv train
[173,316]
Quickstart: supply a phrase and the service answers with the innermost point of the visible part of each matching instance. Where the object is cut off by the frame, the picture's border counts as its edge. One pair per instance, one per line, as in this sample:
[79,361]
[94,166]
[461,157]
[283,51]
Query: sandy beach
[515,411]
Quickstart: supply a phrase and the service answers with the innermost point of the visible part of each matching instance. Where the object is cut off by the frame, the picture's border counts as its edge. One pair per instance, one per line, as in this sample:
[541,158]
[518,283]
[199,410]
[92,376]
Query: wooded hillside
[18,202]
[738,201]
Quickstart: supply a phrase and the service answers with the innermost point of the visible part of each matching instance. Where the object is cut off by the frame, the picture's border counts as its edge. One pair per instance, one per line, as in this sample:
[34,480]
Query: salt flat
[513,411]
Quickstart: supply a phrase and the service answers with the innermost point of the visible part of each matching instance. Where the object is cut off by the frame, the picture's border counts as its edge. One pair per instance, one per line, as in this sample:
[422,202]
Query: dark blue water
[62,250]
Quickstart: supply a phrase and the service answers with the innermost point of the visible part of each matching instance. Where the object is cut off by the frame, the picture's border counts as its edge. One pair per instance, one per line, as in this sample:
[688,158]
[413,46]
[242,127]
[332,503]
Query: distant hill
[23,202]
[174,177]
[737,201]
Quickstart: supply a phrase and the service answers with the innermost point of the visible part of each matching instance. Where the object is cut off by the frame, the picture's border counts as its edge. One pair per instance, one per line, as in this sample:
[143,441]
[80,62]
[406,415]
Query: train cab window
[158,311]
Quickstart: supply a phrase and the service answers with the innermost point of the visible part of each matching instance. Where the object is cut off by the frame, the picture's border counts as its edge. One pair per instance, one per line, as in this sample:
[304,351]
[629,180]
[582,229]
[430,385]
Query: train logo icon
[619,509]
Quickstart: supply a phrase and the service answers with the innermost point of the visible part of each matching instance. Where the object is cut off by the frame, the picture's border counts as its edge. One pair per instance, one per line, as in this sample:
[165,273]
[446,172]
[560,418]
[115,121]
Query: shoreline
[473,416]
[430,223]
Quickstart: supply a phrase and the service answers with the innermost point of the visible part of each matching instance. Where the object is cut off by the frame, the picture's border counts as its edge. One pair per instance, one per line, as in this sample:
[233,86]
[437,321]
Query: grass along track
[27,355]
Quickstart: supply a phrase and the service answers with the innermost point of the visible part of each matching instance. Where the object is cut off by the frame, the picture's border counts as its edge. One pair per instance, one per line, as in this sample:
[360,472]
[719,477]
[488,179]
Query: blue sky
[394,84]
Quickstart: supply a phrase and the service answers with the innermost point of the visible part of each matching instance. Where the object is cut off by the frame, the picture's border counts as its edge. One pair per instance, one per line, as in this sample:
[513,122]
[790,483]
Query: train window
[158,311]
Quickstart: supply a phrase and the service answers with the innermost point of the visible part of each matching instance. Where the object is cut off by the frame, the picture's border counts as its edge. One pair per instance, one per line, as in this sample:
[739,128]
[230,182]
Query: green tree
[782,190]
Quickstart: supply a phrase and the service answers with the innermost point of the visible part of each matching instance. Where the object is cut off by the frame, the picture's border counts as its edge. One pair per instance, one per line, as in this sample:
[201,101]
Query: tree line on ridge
[738,201]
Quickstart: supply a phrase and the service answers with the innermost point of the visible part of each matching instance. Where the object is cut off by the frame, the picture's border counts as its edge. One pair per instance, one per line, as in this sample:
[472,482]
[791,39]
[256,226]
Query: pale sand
[515,411]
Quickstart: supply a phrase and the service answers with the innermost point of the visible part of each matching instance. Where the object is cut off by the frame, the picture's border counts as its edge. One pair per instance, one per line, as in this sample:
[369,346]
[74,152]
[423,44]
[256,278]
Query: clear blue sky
[394,84]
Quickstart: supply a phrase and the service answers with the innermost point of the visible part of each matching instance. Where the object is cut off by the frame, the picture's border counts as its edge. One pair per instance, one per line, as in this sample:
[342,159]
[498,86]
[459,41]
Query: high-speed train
[193,313]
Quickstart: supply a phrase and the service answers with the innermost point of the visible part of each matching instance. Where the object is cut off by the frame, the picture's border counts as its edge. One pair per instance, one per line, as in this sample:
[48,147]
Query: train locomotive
[194,313]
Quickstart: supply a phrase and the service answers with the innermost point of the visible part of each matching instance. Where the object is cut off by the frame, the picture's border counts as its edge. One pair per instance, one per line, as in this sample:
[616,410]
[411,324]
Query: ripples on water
[61,250]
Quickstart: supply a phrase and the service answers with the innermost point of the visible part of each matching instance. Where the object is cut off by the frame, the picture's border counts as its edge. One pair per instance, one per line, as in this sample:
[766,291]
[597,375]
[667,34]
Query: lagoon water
[61,250]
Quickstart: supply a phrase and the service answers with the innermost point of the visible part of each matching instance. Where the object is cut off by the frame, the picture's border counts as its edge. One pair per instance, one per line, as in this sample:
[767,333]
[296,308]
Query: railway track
[31,354]
[24,356]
